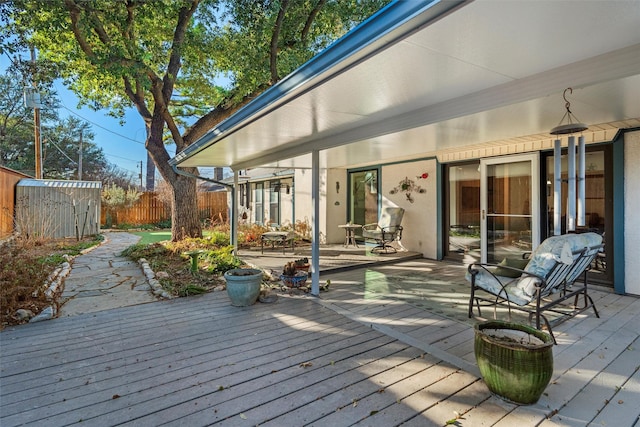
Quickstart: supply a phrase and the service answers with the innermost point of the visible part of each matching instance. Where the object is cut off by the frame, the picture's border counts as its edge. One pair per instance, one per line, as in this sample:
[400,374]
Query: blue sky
[123,145]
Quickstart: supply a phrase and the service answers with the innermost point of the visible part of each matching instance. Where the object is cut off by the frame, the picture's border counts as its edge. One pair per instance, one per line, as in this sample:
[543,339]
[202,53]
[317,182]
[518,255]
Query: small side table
[350,234]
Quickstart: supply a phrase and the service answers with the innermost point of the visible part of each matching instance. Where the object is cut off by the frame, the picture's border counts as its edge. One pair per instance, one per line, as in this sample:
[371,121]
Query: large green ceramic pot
[516,361]
[243,286]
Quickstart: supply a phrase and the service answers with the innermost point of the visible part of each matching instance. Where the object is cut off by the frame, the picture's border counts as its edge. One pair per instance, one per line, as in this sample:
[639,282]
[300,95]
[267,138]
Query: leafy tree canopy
[185,65]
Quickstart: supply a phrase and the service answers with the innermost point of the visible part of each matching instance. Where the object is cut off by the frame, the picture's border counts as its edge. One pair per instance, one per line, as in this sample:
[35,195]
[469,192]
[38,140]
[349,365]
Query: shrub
[221,260]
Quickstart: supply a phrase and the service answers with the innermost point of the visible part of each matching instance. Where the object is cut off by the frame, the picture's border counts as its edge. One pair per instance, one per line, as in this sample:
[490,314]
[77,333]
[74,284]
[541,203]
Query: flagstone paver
[102,279]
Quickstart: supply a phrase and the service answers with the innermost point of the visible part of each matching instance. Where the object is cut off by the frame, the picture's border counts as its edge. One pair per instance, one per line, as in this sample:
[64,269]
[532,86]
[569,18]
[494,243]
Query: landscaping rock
[23,314]
[46,314]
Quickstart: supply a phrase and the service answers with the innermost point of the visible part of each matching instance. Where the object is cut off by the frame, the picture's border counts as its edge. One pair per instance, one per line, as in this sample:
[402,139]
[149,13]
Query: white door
[509,206]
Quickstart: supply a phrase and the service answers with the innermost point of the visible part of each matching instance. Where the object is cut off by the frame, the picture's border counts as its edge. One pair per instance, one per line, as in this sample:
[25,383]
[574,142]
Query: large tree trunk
[184,202]
[184,209]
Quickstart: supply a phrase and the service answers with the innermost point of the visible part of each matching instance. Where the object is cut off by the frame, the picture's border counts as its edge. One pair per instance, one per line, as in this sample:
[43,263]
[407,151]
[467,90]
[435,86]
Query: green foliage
[114,196]
[139,250]
[221,260]
[189,290]
[167,58]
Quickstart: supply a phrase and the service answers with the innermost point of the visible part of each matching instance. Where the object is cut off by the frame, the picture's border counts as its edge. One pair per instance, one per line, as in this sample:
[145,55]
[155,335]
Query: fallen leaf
[620,401]
[243,416]
[220,388]
[373,413]
[355,403]
[306,364]
[115,396]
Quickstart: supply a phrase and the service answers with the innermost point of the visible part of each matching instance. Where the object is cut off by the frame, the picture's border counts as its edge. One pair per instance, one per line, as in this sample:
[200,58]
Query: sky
[122,144]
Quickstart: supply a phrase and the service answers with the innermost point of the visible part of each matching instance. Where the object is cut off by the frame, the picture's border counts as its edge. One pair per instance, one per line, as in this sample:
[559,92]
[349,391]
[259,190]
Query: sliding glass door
[363,192]
[509,206]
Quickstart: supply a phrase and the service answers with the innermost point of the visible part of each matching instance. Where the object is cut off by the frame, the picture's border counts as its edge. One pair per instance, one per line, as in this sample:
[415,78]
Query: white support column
[557,188]
[582,213]
[571,184]
[315,223]
[234,213]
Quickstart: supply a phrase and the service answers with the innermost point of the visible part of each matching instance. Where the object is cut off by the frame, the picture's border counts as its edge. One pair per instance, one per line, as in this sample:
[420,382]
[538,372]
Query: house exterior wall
[631,207]
[420,222]
[303,202]
[335,197]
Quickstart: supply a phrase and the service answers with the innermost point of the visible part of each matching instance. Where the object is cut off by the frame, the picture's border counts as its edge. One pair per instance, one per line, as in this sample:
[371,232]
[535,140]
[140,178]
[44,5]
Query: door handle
[483,215]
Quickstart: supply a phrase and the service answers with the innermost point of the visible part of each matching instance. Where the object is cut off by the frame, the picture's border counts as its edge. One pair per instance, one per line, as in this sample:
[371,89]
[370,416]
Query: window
[274,202]
[258,205]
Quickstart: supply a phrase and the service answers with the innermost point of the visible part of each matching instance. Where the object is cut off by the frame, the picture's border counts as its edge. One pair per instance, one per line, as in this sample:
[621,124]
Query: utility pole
[80,159]
[141,187]
[36,118]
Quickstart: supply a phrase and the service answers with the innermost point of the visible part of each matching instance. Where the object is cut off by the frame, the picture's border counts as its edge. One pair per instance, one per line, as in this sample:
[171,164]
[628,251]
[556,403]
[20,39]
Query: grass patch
[149,237]
[155,236]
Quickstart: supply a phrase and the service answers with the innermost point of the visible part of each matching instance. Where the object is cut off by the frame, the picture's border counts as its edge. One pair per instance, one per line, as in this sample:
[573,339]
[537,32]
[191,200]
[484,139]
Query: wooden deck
[355,356]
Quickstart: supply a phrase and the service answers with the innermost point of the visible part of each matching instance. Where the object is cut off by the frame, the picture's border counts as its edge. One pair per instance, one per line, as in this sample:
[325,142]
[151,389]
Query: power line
[100,126]
[119,157]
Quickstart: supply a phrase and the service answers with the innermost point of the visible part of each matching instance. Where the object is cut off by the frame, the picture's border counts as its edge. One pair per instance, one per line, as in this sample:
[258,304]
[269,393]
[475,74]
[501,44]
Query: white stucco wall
[420,218]
[631,208]
[336,204]
[304,207]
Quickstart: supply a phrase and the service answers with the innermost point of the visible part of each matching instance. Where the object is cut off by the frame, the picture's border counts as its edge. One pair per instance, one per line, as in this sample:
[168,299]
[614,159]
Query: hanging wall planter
[515,361]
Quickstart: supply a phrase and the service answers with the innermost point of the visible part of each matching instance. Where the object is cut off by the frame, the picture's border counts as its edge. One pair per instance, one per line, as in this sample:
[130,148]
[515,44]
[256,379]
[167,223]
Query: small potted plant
[243,285]
[291,276]
[302,264]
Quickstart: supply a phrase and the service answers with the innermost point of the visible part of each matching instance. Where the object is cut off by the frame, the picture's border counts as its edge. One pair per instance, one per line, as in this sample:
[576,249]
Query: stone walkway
[102,279]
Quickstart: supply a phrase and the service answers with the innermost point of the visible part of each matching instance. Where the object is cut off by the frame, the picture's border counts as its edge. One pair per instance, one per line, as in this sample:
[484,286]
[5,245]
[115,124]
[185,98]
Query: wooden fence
[150,210]
[8,180]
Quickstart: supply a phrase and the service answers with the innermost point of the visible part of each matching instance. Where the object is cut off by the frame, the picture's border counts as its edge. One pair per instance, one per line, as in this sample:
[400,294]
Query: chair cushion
[550,251]
[519,263]
[493,284]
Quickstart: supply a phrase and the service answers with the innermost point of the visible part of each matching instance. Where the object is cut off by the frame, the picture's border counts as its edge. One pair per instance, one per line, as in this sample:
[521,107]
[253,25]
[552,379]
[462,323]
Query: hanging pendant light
[571,126]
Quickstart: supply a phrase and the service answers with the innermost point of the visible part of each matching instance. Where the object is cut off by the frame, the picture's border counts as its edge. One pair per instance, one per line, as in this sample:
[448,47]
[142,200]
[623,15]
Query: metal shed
[55,209]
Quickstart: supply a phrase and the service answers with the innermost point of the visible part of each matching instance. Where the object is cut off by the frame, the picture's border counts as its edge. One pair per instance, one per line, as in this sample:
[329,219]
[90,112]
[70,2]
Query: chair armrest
[370,227]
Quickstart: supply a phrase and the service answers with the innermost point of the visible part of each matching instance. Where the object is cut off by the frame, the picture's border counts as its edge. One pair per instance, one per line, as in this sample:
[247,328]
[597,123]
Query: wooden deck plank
[488,413]
[189,405]
[567,387]
[157,342]
[167,360]
[606,387]
[200,353]
[69,409]
[415,406]
[623,409]
[454,406]
[320,398]
[360,403]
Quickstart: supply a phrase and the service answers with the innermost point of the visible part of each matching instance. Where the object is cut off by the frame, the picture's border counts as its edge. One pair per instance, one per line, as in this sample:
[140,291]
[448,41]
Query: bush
[221,260]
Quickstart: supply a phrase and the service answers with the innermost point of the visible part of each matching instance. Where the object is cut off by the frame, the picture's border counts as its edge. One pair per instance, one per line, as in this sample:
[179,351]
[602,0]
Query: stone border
[53,283]
[154,284]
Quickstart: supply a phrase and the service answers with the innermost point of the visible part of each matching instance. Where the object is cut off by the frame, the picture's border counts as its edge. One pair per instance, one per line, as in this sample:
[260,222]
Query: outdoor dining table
[350,234]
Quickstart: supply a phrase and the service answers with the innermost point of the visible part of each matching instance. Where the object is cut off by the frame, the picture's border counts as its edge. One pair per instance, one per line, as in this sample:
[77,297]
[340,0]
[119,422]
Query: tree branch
[137,98]
[273,54]
[184,17]
[215,116]
[310,19]
[74,14]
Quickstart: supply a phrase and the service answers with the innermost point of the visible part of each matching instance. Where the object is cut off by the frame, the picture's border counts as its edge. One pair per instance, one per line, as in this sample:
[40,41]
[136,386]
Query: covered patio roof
[423,78]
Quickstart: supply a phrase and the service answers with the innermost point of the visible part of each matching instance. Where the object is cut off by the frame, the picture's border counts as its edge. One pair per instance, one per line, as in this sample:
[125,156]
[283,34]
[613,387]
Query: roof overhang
[422,78]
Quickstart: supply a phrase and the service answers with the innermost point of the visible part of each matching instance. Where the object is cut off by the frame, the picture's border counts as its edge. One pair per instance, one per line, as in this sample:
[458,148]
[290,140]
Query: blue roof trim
[383,29]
